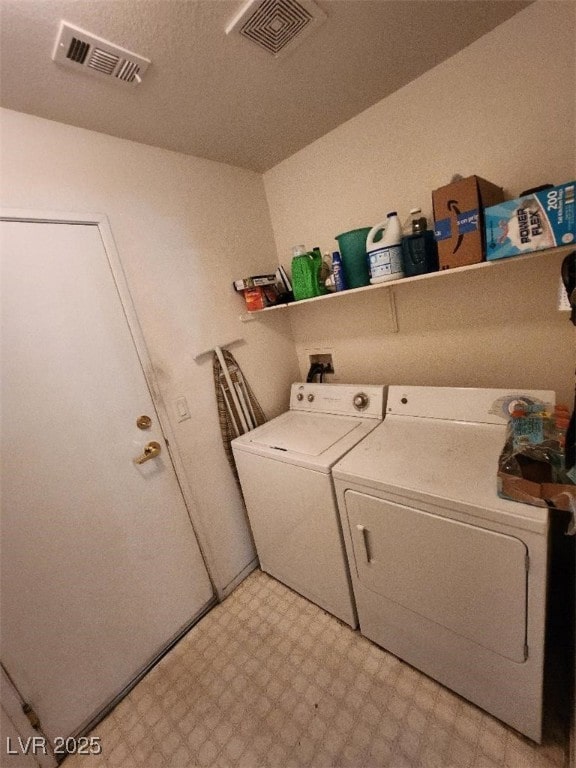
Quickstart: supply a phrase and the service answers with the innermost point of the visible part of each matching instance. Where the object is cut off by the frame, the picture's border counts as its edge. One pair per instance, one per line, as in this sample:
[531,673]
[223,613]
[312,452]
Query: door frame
[100,220]
[11,702]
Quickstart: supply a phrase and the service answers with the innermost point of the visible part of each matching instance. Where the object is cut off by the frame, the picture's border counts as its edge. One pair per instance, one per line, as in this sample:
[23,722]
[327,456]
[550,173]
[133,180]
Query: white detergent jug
[385,255]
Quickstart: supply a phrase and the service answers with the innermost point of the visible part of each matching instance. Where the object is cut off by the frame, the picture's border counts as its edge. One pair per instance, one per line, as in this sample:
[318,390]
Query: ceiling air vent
[78,49]
[277,25]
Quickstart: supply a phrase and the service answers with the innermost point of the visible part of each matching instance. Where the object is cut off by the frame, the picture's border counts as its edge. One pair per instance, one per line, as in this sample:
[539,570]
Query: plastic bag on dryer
[531,467]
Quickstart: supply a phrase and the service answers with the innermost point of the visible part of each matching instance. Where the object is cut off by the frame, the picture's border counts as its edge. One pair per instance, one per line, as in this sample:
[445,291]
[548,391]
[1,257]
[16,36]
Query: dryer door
[470,580]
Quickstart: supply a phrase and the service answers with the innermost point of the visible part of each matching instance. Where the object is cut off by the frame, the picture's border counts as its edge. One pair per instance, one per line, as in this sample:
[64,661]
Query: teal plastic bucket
[352,247]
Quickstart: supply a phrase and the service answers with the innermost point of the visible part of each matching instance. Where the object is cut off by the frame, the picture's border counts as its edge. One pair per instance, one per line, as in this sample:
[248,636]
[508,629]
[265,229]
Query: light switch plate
[182,410]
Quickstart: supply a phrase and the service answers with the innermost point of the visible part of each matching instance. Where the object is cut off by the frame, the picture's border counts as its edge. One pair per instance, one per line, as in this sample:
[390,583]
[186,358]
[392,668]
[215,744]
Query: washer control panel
[366,400]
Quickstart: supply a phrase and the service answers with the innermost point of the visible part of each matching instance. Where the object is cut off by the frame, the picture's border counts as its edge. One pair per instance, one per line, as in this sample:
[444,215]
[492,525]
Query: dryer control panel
[485,406]
[362,400]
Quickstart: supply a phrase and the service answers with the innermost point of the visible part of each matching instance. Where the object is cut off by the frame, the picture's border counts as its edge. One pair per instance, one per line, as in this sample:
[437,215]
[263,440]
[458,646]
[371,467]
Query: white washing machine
[447,575]
[285,472]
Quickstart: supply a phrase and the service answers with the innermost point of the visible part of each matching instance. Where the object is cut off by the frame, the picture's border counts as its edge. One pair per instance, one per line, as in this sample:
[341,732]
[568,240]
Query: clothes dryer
[285,472]
[446,574]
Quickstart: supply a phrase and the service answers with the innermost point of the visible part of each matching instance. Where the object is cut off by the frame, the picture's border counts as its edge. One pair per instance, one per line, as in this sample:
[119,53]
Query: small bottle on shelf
[338,272]
[419,248]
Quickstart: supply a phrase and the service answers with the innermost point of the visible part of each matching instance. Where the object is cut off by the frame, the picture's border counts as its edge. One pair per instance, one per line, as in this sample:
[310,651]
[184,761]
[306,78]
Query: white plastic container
[385,255]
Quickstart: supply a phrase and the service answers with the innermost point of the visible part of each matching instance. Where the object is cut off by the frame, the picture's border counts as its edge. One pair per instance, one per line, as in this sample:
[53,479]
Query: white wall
[184,228]
[12,753]
[502,109]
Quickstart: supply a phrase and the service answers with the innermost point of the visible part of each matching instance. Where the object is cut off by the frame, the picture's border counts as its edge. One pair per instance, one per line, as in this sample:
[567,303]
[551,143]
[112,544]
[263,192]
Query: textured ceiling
[221,97]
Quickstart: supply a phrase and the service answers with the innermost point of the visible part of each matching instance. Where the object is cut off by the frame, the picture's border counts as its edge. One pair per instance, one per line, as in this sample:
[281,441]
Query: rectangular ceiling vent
[277,26]
[76,48]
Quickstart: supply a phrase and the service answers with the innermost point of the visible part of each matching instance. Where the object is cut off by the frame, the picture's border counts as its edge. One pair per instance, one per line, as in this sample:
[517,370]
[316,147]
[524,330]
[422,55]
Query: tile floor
[268,680]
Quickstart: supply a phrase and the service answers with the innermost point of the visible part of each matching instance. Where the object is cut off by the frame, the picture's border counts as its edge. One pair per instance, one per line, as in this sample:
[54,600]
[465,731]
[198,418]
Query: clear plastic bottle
[327,274]
[416,221]
[323,272]
[326,264]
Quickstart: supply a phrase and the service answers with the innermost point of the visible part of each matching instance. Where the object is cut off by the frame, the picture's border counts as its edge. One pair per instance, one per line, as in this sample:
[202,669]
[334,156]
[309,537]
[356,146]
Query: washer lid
[305,433]
[310,440]
[452,464]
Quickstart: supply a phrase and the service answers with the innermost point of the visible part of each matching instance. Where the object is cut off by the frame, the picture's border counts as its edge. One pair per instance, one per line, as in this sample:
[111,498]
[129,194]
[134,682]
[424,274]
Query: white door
[100,565]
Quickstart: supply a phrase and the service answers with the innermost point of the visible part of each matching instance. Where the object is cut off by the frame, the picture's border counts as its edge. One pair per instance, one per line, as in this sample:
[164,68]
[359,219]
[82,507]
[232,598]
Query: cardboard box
[260,296]
[254,282]
[254,298]
[544,219]
[537,494]
[458,220]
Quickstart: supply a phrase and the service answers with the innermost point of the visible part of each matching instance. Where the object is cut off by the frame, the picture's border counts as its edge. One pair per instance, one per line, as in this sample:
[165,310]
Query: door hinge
[32,716]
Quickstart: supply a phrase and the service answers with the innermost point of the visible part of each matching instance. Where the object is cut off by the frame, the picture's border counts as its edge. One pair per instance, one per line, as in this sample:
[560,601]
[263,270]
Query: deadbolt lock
[143,422]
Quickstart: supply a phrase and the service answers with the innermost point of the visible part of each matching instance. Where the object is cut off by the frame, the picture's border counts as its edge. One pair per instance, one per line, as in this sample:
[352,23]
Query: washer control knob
[360,401]
[310,397]
[299,396]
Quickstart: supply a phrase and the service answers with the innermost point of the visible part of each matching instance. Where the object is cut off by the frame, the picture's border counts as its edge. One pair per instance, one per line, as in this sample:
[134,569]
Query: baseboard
[246,571]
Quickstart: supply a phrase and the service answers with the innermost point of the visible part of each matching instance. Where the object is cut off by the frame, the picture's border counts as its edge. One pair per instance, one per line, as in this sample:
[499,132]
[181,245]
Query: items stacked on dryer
[532,466]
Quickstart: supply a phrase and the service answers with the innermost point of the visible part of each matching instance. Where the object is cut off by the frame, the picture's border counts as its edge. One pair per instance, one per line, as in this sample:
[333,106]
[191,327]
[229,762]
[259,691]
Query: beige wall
[184,228]
[504,109]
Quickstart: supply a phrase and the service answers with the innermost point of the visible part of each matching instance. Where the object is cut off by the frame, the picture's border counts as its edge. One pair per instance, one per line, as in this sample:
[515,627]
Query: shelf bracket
[393,314]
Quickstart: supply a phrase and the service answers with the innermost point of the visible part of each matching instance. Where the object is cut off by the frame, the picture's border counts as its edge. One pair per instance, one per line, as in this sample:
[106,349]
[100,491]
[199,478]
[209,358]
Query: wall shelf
[484,265]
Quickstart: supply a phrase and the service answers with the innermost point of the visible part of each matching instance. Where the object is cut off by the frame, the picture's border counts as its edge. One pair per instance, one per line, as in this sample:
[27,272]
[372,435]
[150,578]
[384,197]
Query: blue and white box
[544,219]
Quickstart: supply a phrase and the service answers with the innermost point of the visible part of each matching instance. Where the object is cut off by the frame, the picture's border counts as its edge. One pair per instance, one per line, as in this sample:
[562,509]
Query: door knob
[151,450]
